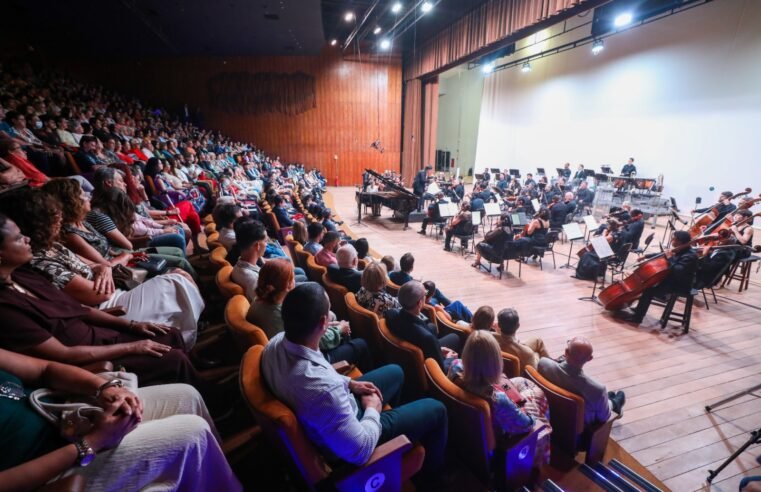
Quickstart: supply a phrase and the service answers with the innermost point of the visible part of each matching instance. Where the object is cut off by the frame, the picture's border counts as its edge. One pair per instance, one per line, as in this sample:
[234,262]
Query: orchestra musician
[724,208]
[566,173]
[584,196]
[743,234]
[683,264]
[629,168]
[579,176]
[535,233]
[633,229]
[457,192]
[590,266]
[434,214]
[529,180]
[494,242]
[502,182]
[514,188]
[462,223]
[419,184]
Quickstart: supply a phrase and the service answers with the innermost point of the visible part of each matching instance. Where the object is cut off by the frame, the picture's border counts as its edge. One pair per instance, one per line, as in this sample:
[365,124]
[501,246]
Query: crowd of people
[100,233]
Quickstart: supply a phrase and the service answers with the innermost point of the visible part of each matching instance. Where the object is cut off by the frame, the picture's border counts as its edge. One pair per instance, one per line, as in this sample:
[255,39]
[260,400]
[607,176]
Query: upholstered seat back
[336,293]
[226,286]
[409,357]
[314,270]
[365,325]
[246,334]
[218,256]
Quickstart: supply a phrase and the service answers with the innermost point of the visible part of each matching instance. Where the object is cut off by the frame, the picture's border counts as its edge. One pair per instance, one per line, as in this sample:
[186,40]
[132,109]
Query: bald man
[569,375]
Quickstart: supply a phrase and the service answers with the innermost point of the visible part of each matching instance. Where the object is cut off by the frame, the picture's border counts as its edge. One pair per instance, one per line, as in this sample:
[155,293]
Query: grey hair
[410,294]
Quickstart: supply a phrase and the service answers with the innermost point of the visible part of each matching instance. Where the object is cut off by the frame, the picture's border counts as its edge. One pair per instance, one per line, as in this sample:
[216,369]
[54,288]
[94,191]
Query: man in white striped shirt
[341,416]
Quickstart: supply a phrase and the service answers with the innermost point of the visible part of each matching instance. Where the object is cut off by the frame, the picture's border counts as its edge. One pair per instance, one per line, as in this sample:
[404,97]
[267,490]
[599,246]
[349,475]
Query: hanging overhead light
[385,44]
[487,67]
[623,19]
[396,8]
[349,16]
[598,46]
[526,67]
[426,7]
[333,42]
[377,30]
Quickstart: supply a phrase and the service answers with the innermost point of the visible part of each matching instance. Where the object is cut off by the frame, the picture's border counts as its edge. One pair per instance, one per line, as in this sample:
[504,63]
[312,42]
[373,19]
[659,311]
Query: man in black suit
[419,184]
[558,211]
[344,271]
[683,264]
[566,172]
[629,168]
[529,180]
[633,230]
[408,324]
[724,208]
[434,214]
[584,196]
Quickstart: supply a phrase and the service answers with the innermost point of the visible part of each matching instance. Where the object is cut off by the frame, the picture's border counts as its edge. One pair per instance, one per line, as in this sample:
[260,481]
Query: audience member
[530,351]
[316,233]
[344,271]
[373,295]
[224,215]
[327,255]
[251,241]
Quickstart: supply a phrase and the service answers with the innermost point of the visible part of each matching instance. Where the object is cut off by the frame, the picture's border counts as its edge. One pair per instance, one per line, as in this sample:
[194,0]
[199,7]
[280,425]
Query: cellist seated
[683,264]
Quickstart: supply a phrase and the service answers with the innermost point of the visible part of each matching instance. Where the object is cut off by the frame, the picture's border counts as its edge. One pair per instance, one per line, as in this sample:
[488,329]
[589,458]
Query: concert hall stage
[668,377]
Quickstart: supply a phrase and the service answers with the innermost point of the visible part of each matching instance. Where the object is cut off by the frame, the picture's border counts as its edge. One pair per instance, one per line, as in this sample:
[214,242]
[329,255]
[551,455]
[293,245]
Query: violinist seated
[622,214]
[724,207]
[433,213]
[711,263]
[461,224]
[535,234]
[493,245]
[742,231]
[633,230]
[683,264]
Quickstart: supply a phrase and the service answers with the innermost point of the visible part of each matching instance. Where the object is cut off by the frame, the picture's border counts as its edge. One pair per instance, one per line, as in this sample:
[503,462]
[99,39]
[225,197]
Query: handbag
[124,278]
[74,418]
[153,265]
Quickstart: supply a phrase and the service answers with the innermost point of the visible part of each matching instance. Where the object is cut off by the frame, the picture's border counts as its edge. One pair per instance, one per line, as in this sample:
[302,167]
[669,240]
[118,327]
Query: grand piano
[393,196]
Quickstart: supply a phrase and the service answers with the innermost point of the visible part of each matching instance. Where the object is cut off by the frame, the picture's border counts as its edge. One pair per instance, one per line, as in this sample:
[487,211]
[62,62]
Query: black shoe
[617,399]
[447,249]
[629,316]
[421,232]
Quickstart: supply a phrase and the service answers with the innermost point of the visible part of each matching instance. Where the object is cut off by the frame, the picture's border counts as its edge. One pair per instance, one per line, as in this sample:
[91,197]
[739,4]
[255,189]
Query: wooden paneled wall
[357,103]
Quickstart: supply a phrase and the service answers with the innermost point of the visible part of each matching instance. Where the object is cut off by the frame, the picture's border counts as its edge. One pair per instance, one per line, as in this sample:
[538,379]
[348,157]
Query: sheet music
[601,247]
[591,223]
[447,209]
[572,231]
[536,204]
[492,209]
[476,218]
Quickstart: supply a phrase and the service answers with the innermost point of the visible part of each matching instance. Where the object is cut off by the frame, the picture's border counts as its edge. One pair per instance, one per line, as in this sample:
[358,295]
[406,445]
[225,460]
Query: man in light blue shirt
[341,416]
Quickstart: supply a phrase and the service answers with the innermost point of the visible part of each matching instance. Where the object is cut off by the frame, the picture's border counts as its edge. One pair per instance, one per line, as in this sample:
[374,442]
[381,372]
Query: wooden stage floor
[668,377]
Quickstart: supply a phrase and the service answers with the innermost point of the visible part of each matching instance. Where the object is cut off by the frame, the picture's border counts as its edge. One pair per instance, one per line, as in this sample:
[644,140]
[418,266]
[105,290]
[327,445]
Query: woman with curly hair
[171,299]
[83,239]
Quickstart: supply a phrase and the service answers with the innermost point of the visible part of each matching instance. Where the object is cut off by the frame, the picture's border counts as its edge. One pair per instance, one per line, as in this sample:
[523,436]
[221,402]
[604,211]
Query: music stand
[588,173]
[591,224]
[515,173]
[572,233]
[605,253]
[540,171]
[606,169]
[560,171]
[492,210]
[495,171]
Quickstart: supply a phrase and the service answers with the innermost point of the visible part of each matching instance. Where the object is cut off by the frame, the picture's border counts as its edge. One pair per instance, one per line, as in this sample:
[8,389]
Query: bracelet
[108,384]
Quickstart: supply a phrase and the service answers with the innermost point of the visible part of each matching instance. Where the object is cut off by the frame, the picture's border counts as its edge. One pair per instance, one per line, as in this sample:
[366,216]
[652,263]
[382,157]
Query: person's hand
[172,211]
[149,329]
[448,353]
[372,401]
[110,428]
[344,328]
[139,256]
[125,401]
[170,222]
[103,282]
[668,253]
[149,347]
[361,388]
[169,230]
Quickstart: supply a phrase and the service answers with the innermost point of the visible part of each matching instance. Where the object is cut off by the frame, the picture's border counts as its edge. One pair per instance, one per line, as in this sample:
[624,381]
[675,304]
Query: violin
[705,219]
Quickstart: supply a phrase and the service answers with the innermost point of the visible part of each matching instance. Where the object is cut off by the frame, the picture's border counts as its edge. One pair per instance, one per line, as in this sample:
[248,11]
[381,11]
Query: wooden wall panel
[357,103]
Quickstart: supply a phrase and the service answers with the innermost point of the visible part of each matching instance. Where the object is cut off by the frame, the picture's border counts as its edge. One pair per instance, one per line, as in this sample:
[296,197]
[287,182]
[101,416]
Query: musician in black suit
[419,184]
[529,180]
[434,214]
[566,172]
[725,207]
[683,264]
[633,230]
[629,168]
[584,196]
[458,190]
[408,324]
[579,176]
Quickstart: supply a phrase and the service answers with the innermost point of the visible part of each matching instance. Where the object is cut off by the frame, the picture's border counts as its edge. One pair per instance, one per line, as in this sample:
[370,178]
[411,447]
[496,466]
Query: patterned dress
[378,302]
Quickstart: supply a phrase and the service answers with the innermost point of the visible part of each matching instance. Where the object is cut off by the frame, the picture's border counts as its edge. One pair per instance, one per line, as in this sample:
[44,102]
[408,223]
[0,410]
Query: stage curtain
[411,133]
[486,25]
[430,121]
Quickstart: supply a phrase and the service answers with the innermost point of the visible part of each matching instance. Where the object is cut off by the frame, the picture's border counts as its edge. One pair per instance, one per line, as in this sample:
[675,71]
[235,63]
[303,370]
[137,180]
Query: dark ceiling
[218,28]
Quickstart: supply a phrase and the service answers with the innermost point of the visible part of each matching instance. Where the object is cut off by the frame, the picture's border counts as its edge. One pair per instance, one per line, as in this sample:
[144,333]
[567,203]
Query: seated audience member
[251,242]
[483,319]
[373,295]
[480,372]
[316,232]
[329,224]
[390,264]
[454,310]
[408,324]
[344,271]
[75,334]
[11,177]
[14,153]
[159,437]
[569,375]
[327,255]
[402,276]
[224,215]
[362,247]
[300,232]
[344,418]
[283,218]
[170,298]
[85,156]
[530,351]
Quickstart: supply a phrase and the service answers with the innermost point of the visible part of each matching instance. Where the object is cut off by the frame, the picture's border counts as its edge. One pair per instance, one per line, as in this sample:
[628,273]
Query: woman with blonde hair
[300,232]
[516,404]
[373,296]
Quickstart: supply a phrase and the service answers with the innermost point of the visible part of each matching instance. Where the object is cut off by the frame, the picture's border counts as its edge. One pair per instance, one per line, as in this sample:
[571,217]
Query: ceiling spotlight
[526,67]
[396,8]
[622,20]
[426,7]
[333,42]
[385,44]
[487,67]
[598,46]
[349,16]
[377,30]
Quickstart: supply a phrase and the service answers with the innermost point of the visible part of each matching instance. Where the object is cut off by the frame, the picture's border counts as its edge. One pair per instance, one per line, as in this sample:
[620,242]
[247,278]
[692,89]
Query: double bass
[705,219]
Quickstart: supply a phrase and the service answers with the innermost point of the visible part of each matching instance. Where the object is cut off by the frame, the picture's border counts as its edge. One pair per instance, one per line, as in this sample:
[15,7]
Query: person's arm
[116,238]
[52,349]
[83,291]
[83,249]
[100,318]
[508,416]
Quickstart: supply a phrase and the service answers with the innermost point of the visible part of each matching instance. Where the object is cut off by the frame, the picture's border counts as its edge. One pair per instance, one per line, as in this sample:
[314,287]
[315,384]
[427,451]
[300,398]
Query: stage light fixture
[623,19]
[526,67]
[487,67]
[377,30]
[385,44]
[598,46]
[333,42]
[396,8]
[426,7]
[349,16]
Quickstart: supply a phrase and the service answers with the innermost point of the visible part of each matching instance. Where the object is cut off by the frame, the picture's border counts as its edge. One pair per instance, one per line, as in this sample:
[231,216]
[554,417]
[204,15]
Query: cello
[648,273]
[726,223]
[705,219]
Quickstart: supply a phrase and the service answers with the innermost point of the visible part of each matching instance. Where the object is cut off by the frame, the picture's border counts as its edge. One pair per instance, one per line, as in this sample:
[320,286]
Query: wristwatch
[86,453]
[114,382]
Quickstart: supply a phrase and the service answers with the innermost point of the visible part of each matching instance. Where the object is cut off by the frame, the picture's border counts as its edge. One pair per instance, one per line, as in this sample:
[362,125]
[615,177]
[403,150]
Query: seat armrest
[383,471]
[72,483]
[597,436]
[343,367]
[98,367]
[516,459]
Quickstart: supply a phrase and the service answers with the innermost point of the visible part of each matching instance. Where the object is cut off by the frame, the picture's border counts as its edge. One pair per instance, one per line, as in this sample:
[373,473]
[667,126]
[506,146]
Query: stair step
[550,486]
[633,476]
[599,479]
[615,478]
